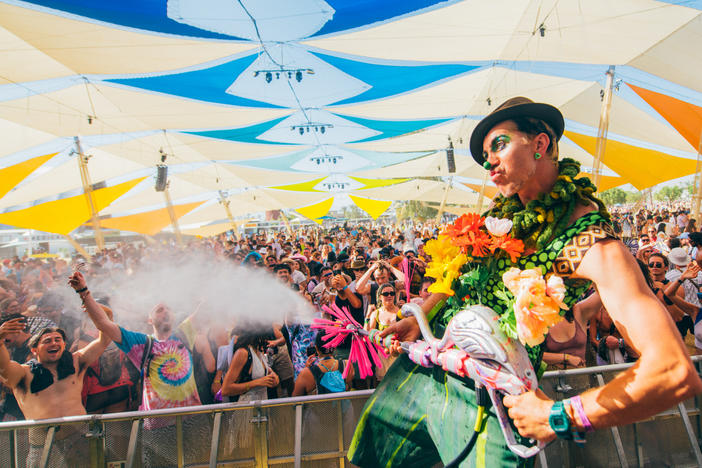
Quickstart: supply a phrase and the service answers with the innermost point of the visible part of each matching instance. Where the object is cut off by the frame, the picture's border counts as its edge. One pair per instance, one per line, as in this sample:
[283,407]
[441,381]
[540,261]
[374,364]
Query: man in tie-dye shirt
[169,380]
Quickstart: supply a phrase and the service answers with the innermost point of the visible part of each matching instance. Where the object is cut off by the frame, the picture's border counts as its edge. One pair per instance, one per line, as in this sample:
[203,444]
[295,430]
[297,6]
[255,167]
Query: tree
[414,209]
[353,212]
[614,196]
[669,193]
[633,197]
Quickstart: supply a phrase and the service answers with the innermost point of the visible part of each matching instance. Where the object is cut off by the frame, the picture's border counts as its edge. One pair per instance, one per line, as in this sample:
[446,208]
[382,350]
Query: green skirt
[420,416]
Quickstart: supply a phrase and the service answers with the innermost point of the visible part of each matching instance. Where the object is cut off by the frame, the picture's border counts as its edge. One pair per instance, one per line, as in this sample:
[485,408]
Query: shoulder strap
[245,375]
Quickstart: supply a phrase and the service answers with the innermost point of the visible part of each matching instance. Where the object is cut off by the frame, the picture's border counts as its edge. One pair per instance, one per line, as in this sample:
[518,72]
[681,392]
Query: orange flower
[470,222]
[479,241]
[534,308]
[513,247]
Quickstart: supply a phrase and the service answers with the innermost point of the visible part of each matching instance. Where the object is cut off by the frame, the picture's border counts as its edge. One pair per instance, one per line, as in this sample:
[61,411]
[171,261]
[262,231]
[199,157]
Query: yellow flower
[445,265]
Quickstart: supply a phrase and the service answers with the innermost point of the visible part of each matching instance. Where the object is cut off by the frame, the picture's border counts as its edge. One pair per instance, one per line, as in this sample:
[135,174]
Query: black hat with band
[510,109]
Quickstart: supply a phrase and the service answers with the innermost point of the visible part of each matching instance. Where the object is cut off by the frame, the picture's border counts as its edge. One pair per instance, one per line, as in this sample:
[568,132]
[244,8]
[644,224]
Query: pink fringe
[336,331]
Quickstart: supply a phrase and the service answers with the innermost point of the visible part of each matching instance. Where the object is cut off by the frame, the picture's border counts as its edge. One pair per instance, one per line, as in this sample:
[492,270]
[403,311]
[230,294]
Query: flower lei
[468,251]
[547,217]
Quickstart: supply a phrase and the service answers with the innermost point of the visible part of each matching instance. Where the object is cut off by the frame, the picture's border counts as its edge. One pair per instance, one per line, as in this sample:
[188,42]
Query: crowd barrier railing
[315,431]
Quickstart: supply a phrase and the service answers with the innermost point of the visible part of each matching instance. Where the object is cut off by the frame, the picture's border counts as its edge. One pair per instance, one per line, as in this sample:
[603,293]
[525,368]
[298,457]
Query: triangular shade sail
[149,222]
[641,167]
[316,211]
[375,183]
[13,175]
[212,229]
[490,190]
[606,182]
[685,117]
[301,187]
[63,216]
[374,208]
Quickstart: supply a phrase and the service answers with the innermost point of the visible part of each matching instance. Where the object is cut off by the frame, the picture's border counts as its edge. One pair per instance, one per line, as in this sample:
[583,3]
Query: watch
[559,421]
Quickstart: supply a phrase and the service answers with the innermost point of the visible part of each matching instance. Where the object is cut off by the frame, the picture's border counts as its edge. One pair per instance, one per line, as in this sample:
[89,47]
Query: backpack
[109,368]
[245,375]
[329,381]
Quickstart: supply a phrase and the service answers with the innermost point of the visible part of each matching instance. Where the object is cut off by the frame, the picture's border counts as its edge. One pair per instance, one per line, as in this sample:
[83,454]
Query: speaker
[161,177]
[450,160]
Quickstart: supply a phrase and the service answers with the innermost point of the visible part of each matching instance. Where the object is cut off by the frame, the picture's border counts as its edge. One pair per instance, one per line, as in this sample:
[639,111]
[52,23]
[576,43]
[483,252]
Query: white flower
[498,227]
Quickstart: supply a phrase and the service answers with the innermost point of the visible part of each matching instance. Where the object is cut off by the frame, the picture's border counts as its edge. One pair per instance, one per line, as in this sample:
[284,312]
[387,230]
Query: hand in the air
[12,326]
[530,412]
[77,281]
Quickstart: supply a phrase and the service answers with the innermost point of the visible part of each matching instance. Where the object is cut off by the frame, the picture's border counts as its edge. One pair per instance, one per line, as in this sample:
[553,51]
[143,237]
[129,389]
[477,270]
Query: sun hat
[679,257]
[511,108]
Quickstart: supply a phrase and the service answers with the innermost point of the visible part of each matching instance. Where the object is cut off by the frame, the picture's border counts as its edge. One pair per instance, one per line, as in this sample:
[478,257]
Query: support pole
[88,191]
[77,246]
[481,195]
[225,203]
[603,127]
[171,214]
[697,197]
[287,223]
[443,200]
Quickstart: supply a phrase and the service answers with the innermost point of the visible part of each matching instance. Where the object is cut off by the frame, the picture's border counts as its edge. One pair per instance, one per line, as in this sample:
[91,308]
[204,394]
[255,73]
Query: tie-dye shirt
[170,381]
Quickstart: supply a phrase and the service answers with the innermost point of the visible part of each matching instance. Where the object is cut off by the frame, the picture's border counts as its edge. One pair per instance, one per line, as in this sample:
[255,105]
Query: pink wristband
[577,404]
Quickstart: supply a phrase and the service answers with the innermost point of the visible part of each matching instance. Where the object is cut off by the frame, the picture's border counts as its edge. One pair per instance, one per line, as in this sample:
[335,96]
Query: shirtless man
[50,385]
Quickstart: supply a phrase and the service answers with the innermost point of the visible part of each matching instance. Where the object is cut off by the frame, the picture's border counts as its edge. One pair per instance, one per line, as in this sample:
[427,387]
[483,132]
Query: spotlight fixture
[489,101]
[318,127]
[542,30]
[298,72]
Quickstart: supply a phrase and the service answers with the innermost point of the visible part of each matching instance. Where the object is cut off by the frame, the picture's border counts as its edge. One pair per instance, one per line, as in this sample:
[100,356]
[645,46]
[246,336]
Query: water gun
[473,346]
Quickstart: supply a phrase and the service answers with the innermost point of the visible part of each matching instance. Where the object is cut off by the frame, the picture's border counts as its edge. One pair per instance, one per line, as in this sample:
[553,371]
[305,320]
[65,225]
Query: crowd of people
[369,270]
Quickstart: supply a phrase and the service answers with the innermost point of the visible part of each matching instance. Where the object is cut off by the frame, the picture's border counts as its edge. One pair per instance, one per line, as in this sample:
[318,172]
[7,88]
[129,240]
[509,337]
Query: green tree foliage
[633,197]
[414,209]
[353,212]
[614,196]
[669,193]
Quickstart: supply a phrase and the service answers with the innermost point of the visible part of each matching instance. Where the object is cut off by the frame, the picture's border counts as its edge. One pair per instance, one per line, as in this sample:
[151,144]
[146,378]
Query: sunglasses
[337,272]
[326,275]
[387,293]
[655,265]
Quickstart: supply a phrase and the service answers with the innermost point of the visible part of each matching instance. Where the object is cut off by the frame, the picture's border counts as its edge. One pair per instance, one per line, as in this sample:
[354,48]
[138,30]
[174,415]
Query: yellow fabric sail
[606,182]
[686,118]
[375,183]
[302,186]
[490,190]
[212,229]
[374,208]
[641,167]
[317,210]
[13,175]
[63,216]
[149,222]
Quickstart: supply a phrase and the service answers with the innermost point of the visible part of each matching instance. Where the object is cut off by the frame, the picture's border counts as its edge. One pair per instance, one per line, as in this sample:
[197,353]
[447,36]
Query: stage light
[322,129]
[298,76]
[269,77]
[302,131]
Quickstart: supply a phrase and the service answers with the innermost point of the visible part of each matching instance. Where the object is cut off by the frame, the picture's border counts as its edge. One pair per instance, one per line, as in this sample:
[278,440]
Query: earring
[487,166]
[537,155]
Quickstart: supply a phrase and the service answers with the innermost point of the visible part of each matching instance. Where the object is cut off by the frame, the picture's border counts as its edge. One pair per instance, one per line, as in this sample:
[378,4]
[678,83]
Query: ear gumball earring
[537,155]
[487,166]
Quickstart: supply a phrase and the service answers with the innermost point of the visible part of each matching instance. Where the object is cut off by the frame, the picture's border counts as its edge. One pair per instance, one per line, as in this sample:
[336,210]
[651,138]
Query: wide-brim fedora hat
[510,109]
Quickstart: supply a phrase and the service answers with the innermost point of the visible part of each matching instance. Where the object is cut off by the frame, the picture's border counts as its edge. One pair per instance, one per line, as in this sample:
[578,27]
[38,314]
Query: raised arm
[95,312]
[363,283]
[92,351]
[662,377]
[11,372]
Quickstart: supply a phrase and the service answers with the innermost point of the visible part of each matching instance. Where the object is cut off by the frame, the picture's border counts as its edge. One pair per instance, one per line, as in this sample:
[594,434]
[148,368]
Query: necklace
[546,217]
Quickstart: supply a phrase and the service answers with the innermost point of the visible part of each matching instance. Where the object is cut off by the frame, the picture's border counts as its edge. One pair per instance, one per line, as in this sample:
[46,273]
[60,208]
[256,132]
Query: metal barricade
[313,431]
